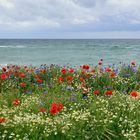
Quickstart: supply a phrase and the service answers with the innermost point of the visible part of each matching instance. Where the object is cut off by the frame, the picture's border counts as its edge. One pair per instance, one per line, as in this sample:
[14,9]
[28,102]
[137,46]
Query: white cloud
[135,21]
[49,13]
[59,13]
[6,4]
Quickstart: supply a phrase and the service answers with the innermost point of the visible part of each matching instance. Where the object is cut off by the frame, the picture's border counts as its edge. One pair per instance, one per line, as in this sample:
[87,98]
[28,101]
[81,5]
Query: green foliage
[85,116]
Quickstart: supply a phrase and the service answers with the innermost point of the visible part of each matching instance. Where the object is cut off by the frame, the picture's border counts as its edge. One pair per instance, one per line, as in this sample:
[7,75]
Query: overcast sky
[69,18]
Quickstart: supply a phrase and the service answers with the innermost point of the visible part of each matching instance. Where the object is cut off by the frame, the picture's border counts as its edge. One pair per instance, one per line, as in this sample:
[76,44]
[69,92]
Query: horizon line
[68,38]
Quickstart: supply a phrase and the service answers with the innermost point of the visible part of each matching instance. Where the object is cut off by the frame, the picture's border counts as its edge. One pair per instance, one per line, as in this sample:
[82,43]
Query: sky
[69,18]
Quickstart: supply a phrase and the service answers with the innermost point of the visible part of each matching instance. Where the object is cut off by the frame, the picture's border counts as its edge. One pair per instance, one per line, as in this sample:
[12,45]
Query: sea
[68,51]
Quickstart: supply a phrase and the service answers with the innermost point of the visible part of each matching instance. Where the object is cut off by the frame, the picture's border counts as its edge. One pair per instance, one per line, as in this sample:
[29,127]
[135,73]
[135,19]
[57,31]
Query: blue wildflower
[85,97]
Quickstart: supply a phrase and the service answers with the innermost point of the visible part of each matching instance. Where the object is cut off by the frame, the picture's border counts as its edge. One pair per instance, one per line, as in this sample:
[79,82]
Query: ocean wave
[16,46]
[129,47]
[116,47]
[3,46]
[121,47]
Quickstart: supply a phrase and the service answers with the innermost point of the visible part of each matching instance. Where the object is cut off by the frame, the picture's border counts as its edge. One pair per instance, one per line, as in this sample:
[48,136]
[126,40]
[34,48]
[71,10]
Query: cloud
[6,4]
[69,14]
[25,13]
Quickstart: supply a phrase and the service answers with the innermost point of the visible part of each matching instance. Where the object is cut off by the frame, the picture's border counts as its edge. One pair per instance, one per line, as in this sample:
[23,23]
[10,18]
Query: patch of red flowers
[9,71]
[23,85]
[134,94]
[113,75]
[82,72]
[96,92]
[39,81]
[3,76]
[25,67]
[4,69]
[86,67]
[82,79]
[56,108]
[110,92]
[88,75]
[61,79]
[108,70]
[16,102]
[2,120]
[69,78]
[63,70]
[42,110]
[71,70]
[22,75]
[93,70]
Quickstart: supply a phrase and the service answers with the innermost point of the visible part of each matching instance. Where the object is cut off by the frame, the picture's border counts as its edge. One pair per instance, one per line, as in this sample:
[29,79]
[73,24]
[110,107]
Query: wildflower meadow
[70,102]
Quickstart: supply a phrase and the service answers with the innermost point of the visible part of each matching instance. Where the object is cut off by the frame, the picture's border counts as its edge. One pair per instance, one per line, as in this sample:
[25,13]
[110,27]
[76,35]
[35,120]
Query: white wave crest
[16,46]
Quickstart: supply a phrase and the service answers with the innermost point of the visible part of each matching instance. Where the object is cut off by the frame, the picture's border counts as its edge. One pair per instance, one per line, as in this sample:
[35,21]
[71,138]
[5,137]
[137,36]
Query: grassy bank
[54,102]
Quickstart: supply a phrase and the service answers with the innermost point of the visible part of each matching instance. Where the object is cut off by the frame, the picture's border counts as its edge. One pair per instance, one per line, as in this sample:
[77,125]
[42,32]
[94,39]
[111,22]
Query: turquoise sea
[68,51]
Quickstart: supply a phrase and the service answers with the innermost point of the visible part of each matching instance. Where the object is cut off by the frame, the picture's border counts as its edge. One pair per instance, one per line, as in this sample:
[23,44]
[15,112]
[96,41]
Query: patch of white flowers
[94,117]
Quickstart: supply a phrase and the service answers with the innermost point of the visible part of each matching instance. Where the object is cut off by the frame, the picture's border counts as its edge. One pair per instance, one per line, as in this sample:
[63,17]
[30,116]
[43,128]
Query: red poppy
[61,79]
[10,71]
[13,66]
[42,110]
[93,70]
[4,69]
[69,78]
[55,108]
[110,92]
[27,71]
[16,102]
[71,70]
[54,105]
[96,92]
[60,107]
[23,85]
[63,70]
[39,81]
[133,63]
[82,72]
[25,67]
[108,70]
[100,62]
[113,75]
[88,75]
[8,67]
[22,75]
[3,76]
[86,67]
[134,93]
[82,79]
[2,120]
